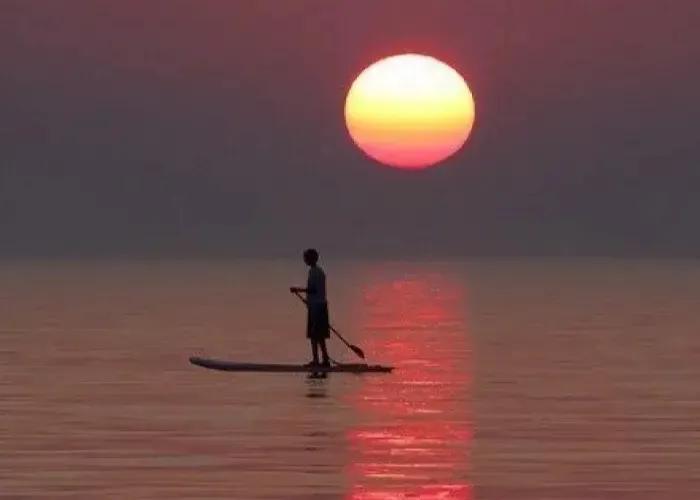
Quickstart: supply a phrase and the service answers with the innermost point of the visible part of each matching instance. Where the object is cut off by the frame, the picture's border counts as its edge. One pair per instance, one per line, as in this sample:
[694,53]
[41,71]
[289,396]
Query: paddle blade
[357,351]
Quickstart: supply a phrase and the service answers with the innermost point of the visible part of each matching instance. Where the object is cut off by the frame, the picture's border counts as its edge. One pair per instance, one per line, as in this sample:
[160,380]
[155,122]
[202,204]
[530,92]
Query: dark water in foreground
[515,380]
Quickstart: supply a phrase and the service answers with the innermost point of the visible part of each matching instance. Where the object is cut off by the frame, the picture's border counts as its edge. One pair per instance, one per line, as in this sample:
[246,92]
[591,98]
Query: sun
[409,111]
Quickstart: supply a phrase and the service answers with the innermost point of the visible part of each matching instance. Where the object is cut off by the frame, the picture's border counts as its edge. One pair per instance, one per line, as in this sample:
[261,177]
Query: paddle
[353,348]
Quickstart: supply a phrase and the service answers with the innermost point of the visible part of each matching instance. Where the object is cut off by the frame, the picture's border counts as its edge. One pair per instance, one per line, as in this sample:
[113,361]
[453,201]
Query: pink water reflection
[414,430]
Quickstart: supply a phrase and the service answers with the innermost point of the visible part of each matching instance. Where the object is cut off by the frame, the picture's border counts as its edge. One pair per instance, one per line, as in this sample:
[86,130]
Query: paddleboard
[232,366]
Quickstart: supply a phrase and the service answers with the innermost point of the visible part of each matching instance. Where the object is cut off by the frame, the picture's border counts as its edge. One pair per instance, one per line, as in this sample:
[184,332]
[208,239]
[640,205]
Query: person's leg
[323,331]
[310,336]
[324,351]
[314,350]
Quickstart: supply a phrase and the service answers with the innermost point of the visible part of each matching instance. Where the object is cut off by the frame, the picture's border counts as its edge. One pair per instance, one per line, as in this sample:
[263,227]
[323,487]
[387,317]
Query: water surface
[523,379]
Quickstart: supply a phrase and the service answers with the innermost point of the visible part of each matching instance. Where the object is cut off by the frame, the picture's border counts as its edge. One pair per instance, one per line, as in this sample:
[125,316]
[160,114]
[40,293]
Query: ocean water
[515,379]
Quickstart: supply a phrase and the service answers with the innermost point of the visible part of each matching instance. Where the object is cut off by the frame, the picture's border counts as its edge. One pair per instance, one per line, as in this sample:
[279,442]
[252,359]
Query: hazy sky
[186,127]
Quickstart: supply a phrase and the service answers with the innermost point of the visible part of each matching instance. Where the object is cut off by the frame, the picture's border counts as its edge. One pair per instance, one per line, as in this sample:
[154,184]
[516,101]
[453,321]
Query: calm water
[518,380]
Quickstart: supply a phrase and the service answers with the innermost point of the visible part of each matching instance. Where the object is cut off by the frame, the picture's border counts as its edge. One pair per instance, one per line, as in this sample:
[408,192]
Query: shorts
[317,325]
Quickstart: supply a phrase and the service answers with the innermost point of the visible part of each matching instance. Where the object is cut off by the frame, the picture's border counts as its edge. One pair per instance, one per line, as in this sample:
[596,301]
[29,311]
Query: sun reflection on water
[414,430]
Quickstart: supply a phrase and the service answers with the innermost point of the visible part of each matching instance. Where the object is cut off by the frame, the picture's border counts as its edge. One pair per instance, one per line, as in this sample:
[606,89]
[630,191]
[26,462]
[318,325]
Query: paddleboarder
[317,324]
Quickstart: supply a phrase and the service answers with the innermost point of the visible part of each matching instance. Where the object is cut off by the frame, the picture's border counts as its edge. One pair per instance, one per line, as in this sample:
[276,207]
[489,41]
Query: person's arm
[296,289]
[310,286]
[312,282]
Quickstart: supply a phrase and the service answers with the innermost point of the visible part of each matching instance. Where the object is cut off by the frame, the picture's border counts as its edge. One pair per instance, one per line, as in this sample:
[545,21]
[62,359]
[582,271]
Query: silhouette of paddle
[353,348]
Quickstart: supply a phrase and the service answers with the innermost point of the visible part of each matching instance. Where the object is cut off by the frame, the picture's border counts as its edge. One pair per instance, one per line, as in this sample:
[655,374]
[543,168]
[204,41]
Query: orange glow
[409,111]
[414,434]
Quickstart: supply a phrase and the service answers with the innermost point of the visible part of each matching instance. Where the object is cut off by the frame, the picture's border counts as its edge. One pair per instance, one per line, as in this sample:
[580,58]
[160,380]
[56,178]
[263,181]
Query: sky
[178,128]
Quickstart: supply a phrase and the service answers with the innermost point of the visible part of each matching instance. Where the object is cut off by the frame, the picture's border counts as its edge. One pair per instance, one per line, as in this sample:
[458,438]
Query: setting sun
[409,111]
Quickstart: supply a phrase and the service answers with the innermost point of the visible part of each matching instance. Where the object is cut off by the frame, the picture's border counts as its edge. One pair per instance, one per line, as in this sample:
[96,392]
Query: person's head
[310,256]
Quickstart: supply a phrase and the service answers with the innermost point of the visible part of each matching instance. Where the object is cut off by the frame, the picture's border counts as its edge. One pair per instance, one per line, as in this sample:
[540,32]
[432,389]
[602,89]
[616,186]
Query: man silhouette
[317,324]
